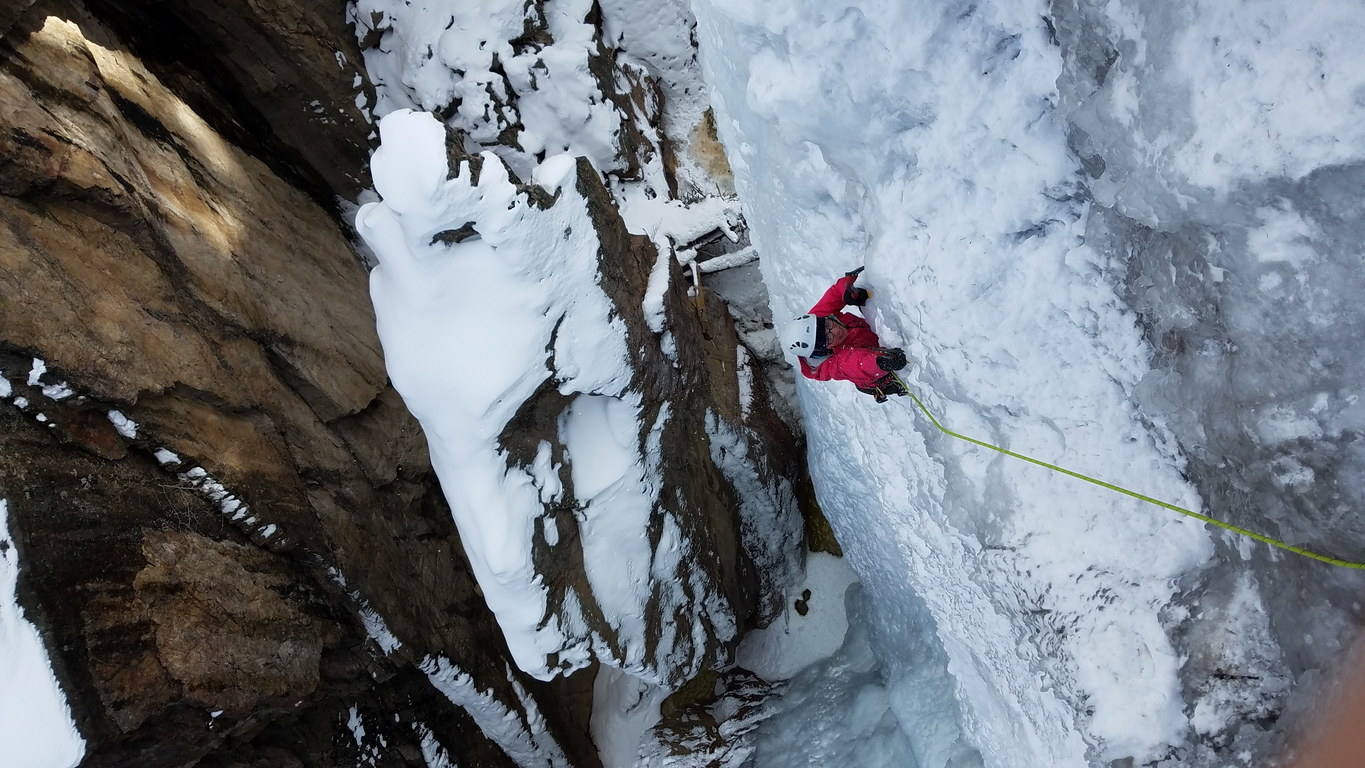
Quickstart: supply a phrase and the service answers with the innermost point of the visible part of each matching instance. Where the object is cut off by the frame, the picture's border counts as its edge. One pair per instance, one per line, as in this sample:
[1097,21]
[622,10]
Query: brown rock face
[221,637]
[175,245]
[162,268]
[281,79]
[222,631]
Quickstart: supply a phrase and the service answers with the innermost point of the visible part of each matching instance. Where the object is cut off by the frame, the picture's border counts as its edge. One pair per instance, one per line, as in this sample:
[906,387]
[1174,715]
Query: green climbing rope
[1136,495]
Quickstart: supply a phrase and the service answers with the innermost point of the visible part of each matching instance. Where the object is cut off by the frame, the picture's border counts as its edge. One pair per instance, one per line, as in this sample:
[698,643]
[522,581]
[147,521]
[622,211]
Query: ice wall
[1121,237]
[1226,143]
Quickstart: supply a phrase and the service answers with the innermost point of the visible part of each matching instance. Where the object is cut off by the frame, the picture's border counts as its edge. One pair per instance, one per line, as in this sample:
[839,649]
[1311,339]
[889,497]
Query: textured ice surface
[1123,237]
[838,712]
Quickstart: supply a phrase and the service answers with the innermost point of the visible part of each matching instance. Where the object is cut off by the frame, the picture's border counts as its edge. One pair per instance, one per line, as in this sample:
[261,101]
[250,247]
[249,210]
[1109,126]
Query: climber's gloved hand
[856,296]
[875,391]
[891,359]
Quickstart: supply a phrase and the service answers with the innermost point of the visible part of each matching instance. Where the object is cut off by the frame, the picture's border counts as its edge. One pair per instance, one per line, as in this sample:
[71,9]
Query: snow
[375,626]
[36,729]
[624,708]
[356,725]
[658,35]
[1252,74]
[676,221]
[617,491]
[435,54]
[123,425]
[800,638]
[653,304]
[731,260]
[433,754]
[58,391]
[522,735]
[216,492]
[1216,95]
[770,523]
[745,374]
[836,710]
[669,223]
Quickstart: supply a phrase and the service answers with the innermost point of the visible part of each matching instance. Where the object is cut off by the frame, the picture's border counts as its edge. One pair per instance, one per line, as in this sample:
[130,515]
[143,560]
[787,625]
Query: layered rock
[232,538]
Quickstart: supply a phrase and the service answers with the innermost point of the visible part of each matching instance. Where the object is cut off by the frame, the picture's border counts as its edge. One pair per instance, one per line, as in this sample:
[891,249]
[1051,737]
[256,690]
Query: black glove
[875,391]
[856,296]
[854,273]
[890,384]
[891,359]
[886,385]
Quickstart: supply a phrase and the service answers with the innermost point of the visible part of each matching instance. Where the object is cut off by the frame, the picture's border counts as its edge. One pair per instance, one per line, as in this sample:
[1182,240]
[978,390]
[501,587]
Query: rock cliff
[233,542]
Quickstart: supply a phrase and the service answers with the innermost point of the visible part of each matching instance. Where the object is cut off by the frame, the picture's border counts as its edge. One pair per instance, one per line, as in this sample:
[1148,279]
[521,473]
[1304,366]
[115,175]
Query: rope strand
[1205,518]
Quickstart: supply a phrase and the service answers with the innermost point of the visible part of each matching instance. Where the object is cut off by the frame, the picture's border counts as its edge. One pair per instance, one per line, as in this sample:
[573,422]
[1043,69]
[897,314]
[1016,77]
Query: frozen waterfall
[1122,237]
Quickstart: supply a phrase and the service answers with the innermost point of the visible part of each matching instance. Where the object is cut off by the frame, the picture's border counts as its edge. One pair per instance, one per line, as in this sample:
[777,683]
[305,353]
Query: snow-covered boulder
[618,500]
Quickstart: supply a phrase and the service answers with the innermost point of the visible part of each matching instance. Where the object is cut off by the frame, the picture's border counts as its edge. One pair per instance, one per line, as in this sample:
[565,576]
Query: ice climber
[830,344]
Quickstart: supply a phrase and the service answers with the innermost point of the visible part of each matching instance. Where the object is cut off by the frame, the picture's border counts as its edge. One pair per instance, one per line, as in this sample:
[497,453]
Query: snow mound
[482,298]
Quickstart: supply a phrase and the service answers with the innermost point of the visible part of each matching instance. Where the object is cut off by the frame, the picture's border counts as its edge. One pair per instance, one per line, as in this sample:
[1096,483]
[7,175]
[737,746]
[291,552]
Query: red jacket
[855,359]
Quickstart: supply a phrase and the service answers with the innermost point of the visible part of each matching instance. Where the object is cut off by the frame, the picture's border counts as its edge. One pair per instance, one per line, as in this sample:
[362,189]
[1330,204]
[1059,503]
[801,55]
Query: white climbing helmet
[798,337]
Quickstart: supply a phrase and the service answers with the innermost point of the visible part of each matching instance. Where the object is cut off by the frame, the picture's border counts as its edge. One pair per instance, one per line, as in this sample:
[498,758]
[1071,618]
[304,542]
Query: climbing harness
[1134,494]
